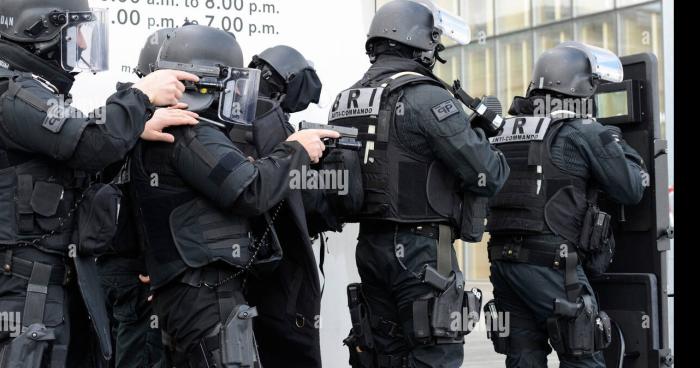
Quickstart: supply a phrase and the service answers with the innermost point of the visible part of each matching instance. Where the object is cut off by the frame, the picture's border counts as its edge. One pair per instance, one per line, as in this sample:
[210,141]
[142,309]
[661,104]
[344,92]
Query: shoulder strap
[402,79]
[394,84]
[7,73]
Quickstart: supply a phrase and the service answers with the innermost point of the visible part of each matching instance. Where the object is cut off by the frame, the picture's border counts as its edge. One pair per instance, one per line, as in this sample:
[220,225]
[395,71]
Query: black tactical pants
[58,344]
[191,315]
[135,336]
[389,263]
[527,292]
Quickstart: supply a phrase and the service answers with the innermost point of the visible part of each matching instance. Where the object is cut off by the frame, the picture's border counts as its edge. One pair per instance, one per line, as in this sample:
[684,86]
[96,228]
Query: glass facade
[509,35]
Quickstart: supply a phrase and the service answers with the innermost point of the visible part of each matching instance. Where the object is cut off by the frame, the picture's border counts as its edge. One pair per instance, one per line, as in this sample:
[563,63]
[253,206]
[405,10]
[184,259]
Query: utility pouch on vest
[596,243]
[575,327]
[344,202]
[37,205]
[98,219]
[238,346]
[474,212]
[360,342]
[203,235]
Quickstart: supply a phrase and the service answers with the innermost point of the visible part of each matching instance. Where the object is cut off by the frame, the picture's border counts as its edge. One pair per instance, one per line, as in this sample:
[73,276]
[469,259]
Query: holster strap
[22,268]
[37,289]
[25,187]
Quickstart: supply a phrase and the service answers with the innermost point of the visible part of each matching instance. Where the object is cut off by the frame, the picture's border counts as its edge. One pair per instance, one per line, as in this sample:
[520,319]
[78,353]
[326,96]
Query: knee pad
[577,329]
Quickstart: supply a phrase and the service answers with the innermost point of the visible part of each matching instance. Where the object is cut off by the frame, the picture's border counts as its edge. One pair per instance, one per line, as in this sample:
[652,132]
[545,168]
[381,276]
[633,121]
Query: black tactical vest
[36,194]
[399,185]
[182,228]
[537,198]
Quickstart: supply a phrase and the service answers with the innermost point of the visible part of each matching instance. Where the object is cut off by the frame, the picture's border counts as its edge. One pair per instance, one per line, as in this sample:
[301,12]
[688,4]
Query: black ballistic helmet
[286,71]
[406,22]
[149,52]
[32,21]
[417,25]
[286,61]
[563,70]
[202,46]
[575,69]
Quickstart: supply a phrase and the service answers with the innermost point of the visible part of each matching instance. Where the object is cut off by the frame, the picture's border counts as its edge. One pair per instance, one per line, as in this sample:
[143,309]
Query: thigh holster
[232,343]
[448,314]
[578,329]
[36,337]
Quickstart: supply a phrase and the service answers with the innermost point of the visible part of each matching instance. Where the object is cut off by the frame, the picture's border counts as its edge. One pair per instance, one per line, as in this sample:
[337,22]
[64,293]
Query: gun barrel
[347,132]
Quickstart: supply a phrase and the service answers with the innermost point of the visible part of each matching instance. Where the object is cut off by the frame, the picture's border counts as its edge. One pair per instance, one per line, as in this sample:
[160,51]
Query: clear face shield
[238,100]
[236,89]
[451,26]
[85,41]
[605,65]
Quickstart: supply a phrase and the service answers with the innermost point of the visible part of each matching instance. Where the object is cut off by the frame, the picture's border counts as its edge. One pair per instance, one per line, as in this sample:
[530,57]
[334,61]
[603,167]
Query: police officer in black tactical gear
[211,210]
[287,326]
[547,234]
[136,338]
[49,153]
[421,163]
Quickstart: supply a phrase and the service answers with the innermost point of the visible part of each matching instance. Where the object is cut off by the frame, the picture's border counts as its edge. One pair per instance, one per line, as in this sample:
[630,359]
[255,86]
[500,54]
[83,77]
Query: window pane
[480,70]
[547,38]
[598,31]
[546,11]
[621,3]
[641,31]
[479,17]
[514,66]
[583,7]
[512,15]
[449,5]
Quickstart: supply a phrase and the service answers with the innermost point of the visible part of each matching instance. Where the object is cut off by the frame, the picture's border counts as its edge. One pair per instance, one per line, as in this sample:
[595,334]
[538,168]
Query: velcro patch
[55,118]
[445,110]
[356,102]
[522,129]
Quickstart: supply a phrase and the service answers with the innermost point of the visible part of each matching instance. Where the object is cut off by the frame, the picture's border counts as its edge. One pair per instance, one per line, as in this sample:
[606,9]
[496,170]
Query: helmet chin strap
[47,48]
[430,58]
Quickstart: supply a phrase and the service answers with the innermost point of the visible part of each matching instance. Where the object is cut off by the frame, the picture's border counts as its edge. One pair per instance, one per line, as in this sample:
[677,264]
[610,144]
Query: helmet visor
[238,101]
[84,41]
[605,64]
[449,24]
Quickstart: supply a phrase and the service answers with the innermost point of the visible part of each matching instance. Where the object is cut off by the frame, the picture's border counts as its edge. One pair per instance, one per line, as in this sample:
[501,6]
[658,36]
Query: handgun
[566,308]
[348,136]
